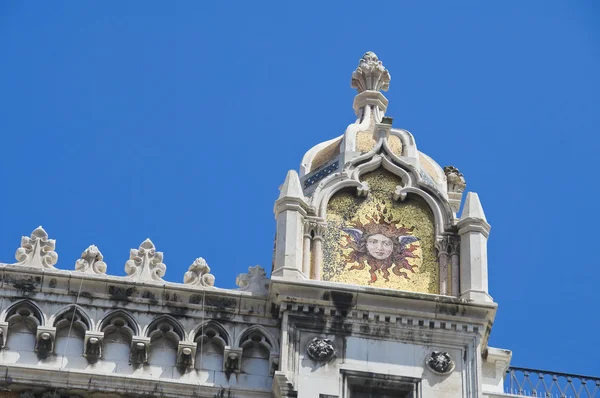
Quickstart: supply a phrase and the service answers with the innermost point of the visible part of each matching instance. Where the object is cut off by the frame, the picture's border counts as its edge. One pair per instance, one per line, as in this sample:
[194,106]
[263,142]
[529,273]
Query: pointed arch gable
[211,329]
[128,320]
[20,308]
[175,331]
[83,320]
[246,337]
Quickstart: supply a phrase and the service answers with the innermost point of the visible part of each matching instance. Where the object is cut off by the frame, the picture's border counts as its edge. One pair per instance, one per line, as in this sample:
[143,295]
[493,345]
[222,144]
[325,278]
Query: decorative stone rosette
[440,362]
[321,350]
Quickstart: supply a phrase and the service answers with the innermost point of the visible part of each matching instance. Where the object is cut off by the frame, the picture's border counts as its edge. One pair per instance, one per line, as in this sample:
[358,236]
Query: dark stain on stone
[338,326]
[121,293]
[449,309]
[365,329]
[177,312]
[221,302]
[341,300]
[26,285]
[52,283]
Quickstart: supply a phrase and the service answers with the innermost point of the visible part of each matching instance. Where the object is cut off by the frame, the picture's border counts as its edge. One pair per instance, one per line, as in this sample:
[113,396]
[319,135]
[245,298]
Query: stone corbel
[45,337]
[274,361]
[283,386]
[3,334]
[232,359]
[139,350]
[92,345]
[186,354]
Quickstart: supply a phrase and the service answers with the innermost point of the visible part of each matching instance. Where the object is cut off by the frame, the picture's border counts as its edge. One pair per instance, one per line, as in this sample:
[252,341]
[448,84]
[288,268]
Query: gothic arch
[165,325]
[119,319]
[258,335]
[26,310]
[211,330]
[72,313]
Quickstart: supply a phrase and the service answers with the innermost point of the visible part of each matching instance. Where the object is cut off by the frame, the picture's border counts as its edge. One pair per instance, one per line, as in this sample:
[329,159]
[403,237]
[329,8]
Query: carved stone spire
[91,261]
[198,274]
[370,74]
[145,263]
[37,250]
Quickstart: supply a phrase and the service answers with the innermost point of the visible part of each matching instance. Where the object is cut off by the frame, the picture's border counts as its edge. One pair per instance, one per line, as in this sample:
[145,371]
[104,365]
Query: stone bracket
[3,334]
[232,359]
[274,361]
[139,349]
[92,345]
[186,354]
[44,340]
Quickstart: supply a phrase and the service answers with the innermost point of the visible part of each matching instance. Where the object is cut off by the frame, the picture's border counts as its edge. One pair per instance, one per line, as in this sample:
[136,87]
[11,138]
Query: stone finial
[145,263]
[198,274]
[473,208]
[254,281]
[370,74]
[37,250]
[91,261]
[291,187]
[456,185]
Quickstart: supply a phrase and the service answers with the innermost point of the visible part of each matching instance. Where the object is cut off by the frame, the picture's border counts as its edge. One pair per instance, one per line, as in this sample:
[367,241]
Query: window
[372,385]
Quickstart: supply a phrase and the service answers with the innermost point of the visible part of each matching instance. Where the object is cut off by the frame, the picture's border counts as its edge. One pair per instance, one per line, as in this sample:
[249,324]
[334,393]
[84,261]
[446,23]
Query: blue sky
[179,120]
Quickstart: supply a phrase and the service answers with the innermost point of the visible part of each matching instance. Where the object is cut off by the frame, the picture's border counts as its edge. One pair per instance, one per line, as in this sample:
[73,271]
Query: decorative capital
[198,274]
[370,74]
[456,180]
[440,362]
[37,250]
[321,350]
[145,263]
[91,261]
[254,281]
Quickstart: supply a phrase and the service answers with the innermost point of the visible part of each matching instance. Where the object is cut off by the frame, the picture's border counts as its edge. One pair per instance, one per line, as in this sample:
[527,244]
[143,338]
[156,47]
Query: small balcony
[524,382]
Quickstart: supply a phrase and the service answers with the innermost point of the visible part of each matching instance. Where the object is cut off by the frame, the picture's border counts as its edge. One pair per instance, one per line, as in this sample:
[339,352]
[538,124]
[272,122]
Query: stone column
[306,254]
[455,265]
[443,261]
[474,231]
[290,210]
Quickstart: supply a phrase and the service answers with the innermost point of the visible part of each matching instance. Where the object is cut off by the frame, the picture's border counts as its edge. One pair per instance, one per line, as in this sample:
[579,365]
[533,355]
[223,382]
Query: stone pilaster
[290,210]
[474,231]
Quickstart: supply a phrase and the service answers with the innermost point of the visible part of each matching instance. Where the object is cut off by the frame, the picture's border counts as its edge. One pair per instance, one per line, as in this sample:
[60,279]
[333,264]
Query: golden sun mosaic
[378,241]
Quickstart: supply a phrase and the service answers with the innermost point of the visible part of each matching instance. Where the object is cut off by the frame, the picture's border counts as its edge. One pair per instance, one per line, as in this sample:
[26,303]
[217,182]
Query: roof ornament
[456,185]
[254,281]
[370,75]
[37,250]
[91,261]
[198,274]
[145,263]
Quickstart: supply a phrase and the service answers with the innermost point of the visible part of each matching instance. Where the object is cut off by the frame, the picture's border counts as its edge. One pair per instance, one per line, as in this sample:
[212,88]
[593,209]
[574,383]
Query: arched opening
[165,334]
[211,339]
[118,328]
[256,352]
[23,319]
[71,324]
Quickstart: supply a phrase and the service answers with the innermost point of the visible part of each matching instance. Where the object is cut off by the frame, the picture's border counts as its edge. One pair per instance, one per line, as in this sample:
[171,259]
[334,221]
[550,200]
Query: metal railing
[540,383]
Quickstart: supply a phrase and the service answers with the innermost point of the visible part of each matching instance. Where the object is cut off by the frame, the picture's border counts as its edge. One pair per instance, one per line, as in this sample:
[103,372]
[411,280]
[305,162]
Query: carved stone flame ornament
[37,250]
[91,261]
[198,274]
[321,350]
[145,263]
[440,362]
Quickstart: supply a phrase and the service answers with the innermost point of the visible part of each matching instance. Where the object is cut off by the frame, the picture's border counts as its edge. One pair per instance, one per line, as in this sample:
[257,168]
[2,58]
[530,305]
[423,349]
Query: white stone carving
[37,250]
[440,362]
[321,350]
[198,274]
[145,263]
[91,261]
[456,185]
[254,281]
[370,74]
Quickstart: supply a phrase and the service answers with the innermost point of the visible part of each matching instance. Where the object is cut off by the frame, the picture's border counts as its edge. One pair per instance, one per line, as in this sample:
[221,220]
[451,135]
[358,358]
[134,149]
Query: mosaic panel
[380,242]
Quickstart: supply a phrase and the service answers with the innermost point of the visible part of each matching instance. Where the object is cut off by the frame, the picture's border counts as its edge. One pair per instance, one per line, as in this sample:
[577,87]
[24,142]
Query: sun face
[379,246]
